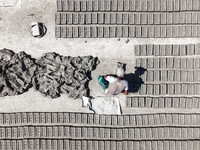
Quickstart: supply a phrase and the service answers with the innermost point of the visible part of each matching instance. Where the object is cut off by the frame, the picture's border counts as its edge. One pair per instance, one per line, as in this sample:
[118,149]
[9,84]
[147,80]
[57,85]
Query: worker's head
[120,72]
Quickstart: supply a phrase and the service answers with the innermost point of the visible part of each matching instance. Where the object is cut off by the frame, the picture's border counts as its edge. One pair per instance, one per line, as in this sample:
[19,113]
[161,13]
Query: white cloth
[111,79]
[106,105]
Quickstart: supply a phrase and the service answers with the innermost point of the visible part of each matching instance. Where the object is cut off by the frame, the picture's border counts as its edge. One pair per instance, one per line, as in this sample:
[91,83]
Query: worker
[114,84]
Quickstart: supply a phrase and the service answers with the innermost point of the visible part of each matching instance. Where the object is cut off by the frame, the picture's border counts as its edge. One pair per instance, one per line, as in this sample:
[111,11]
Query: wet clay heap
[52,74]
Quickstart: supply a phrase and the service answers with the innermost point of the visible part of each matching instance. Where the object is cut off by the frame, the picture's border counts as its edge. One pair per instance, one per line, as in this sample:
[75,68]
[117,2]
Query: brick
[114,5]
[119,31]
[89,6]
[163,5]
[182,31]
[157,18]
[125,18]
[170,5]
[169,18]
[138,5]
[184,75]
[120,5]
[150,6]
[189,4]
[177,5]
[88,18]
[168,50]
[106,32]
[119,18]
[190,63]
[156,75]
[195,4]
[143,89]
[69,18]
[71,5]
[83,6]
[107,5]
[126,5]
[112,32]
[131,19]
[157,31]
[94,18]
[176,50]
[175,31]
[151,32]
[191,89]
[76,18]
[164,75]
[81,18]
[137,18]
[81,32]
[176,102]
[188,18]
[194,18]
[184,89]
[77,5]
[69,32]
[170,62]
[175,18]
[157,6]
[59,5]
[107,18]
[157,63]
[150,18]
[131,31]
[178,63]
[182,50]
[100,18]
[194,31]
[138,31]
[87,32]
[182,18]
[143,50]
[169,31]
[65,5]
[113,18]
[125,31]
[190,49]
[183,5]
[163,31]
[155,102]
[144,18]
[57,18]
[63,32]
[57,32]
[155,132]
[197,89]
[94,31]
[63,18]
[144,31]
[163,17]
[177,88]
[150,76]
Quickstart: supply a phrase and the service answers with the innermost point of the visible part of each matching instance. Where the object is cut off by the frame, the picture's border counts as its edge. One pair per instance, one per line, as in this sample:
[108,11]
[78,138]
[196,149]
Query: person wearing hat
[114,85]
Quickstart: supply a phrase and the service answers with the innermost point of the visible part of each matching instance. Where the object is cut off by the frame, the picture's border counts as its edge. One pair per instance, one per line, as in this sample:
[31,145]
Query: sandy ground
[15,21]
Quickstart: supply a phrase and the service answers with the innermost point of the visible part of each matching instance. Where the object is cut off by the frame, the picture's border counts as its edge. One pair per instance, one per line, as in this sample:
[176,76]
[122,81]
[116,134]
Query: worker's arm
[125,92]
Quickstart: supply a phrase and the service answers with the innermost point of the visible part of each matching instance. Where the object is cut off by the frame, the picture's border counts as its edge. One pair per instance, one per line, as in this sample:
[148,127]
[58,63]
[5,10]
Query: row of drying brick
[125,31]
[167,50]
[48,144]
[168,63]
[128,5]
[167,89]
[16,119]
[178,76]
[127,18]
[162,102]
[101,133]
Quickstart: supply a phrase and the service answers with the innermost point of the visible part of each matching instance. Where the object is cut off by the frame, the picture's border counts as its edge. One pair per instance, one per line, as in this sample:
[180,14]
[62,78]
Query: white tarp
[106,105]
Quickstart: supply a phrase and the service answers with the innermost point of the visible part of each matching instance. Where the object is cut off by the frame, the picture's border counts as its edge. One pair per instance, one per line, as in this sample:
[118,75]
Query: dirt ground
[15,20]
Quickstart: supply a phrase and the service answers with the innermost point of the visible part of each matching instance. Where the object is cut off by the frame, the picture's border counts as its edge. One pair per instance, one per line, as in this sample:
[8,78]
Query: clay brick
[137,18]
[126,5]
[114,5]
[119,32]
[150,5]
[87,32]
[131,19]
[182,18]
[144,18]
[176,50]
[65,6]
[194,18]
[170,5]
[83,6]
[107,5]
[94,31]
[178,63]
[183,5]
[77,5]
[88,18]
[81,18]
[175,31]
[89,6]
[120,5]
[75,32]
[81,32]
[156,75]
[131,31]
[170,62]
[69,18]
[57,18]
[157,63]
[76,18]
[107,18]
[175,18]
[138,5]
[144,31]
[190,49]
[157,18]
[190,63]
[163,31]
[163,5]
[125,31]
[178,75]
[163,18]
[95,5]
[150,18]
[71,5]
[59,5]
[113,18]
[94,18]
[100,18]
[157,5]
[195,4]
[182,50]
[132,5]
[168,50]
[138,31]
[155,103]
[151,32]
[157,31]
[188,30]
[188,17]
[144,6]
[189,4]
[182,31]
[119,18]
[177,5]
[143,89]
[169,18]
[155,132]
[57,32]
[106,32]
[169,31]
[194,31]
[112,32]
[63,32]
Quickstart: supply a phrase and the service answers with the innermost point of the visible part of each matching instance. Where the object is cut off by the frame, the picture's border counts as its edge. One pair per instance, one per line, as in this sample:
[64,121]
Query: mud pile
[51,75]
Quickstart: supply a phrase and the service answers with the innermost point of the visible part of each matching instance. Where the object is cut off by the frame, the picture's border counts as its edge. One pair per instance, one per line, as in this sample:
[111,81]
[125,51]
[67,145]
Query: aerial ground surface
[162,114]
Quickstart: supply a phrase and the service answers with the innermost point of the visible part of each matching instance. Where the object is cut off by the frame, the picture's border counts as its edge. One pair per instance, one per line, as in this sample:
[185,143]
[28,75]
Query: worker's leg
[103,82]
